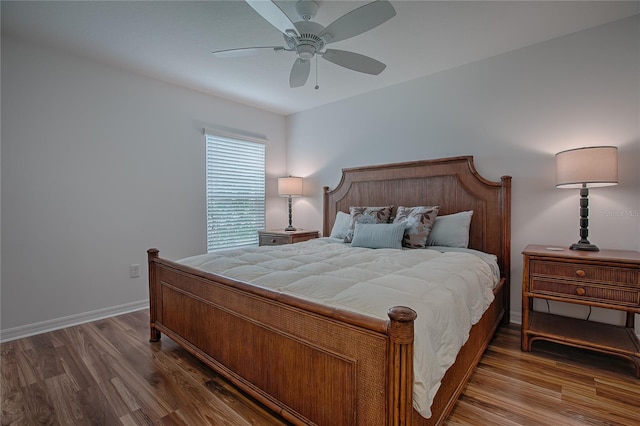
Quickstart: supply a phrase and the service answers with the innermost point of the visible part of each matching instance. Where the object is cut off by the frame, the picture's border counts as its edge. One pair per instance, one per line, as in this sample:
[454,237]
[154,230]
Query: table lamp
[586,168]
[290,187]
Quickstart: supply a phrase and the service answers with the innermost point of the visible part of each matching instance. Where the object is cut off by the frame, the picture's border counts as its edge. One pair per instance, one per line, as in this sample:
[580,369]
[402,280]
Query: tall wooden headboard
[451,183]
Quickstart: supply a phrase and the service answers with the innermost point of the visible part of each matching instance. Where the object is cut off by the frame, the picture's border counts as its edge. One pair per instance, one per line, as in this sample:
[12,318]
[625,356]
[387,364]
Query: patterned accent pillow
[418,221]
[367,215]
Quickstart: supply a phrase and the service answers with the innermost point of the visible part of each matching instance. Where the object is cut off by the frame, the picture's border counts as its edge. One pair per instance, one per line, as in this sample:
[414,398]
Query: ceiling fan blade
[299,72]
[245,51]
[359,21]
[274,15]
[354,61]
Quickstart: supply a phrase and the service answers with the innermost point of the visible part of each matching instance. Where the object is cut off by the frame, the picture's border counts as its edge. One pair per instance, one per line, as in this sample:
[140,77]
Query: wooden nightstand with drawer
[607,279]
[276,237]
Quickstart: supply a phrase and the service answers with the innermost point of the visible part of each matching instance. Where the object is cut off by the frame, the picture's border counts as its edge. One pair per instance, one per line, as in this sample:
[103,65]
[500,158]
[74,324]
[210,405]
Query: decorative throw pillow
[418,223]
[378,235]
[451,230]
[367,215]
[340,226]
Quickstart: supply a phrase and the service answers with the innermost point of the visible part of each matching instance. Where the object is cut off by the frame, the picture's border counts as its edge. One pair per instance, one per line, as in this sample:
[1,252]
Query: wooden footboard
[311,364]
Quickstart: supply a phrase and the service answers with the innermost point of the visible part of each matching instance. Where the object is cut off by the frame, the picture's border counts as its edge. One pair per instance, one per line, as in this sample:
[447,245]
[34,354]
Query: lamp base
[584,243]
[290,228]
[584,246]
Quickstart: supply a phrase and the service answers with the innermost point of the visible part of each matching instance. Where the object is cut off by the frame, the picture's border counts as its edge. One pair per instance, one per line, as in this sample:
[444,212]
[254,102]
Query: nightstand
[276,237]
[606,279]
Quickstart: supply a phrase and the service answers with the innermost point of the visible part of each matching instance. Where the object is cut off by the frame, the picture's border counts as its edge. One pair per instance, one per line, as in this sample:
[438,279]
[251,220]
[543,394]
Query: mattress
[448,288]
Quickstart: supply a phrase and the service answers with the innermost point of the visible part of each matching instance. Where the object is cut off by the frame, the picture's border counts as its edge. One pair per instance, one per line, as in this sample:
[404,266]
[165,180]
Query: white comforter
[449,291]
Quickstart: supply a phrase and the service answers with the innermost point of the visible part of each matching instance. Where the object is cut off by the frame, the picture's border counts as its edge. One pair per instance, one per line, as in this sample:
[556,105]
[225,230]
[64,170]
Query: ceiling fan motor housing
[307,44]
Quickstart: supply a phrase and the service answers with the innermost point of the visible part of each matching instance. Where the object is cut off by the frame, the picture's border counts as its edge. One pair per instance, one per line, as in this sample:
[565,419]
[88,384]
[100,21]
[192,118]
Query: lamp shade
[587,167]
[290,186]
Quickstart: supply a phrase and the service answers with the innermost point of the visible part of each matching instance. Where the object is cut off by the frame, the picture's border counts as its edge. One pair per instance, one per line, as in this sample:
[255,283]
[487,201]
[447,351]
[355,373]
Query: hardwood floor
[107,373]
[552,385]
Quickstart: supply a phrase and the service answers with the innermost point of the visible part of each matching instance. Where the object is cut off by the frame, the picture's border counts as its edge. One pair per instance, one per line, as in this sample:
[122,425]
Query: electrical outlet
[134,271]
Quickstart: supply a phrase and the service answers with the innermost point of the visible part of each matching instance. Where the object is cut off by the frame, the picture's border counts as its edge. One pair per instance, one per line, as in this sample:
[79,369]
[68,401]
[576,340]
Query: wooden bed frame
[317,365]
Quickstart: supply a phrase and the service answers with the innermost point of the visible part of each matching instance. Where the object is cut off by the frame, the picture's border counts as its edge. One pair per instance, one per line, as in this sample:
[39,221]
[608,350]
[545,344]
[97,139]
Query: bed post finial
[506,245]
[401,365]
[326,226]
[153,254]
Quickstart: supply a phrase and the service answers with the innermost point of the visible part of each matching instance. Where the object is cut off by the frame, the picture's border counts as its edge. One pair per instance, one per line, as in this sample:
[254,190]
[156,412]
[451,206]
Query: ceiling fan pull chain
[317,87]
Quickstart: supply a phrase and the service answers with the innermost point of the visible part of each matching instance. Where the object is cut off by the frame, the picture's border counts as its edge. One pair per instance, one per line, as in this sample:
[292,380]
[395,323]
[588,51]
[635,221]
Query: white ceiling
[173,40]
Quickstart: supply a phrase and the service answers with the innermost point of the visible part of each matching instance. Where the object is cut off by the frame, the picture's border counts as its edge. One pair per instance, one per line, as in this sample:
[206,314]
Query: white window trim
[237,135]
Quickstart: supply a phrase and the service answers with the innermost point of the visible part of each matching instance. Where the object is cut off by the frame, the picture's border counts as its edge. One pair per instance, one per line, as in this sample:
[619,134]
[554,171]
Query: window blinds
[235,192]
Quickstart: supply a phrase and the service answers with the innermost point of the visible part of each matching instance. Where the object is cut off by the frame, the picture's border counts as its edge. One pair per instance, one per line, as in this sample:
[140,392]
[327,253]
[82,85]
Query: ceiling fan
[308,39]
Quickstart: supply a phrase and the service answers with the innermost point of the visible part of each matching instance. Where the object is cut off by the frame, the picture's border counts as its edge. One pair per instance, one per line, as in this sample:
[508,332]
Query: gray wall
[98,165]
[512,112]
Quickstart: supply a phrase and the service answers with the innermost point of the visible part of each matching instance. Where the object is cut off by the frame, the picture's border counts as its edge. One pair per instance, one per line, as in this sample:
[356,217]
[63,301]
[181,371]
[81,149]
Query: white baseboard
[515,317]
[63,322]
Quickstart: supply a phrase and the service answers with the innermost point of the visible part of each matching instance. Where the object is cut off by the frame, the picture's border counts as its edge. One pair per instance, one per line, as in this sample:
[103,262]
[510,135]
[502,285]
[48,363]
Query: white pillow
[451,230]
[378,235]
[340,225]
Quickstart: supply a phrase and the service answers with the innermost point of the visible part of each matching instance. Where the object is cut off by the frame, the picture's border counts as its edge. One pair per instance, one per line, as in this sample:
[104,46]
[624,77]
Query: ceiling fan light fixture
[306,51]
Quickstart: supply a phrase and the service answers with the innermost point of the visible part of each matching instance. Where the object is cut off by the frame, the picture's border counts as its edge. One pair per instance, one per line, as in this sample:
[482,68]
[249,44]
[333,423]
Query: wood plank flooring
[107,373]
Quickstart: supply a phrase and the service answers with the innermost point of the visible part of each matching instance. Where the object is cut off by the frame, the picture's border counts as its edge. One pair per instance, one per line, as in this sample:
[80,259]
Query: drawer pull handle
[580,291]
[581,273]
[273,240]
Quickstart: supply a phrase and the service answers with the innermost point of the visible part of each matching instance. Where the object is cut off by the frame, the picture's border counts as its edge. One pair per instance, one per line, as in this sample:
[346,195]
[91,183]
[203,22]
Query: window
[235,192]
